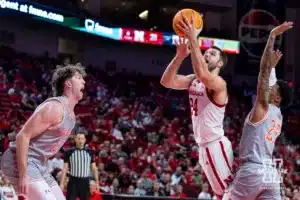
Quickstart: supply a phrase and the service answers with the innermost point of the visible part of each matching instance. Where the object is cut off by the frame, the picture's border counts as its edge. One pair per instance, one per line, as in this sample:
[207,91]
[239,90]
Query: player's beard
[211,67]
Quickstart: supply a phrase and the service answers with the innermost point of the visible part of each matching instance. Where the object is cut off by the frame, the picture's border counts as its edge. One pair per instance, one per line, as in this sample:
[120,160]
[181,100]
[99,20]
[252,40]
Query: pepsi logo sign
[254,30]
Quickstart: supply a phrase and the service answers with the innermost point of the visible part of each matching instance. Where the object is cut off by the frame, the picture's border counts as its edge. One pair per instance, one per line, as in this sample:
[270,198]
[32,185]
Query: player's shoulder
[221,79]
[50,110]
[222,85]
[89,150]
[52,105]
[70,151]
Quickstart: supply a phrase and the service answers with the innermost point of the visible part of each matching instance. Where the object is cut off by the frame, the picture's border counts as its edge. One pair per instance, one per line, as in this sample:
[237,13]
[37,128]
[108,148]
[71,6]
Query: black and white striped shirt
[79,161]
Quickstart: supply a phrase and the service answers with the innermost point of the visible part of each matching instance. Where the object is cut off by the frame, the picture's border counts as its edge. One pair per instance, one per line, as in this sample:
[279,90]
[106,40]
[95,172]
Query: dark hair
[285,92]
[80,133]
[61,74]
[223,55]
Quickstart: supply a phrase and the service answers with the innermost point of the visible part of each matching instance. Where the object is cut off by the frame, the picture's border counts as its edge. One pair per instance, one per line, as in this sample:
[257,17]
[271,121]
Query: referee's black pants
[78,188]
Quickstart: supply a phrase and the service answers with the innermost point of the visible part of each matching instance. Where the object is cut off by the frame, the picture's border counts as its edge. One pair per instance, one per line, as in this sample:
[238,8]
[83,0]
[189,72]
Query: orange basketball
[188,14]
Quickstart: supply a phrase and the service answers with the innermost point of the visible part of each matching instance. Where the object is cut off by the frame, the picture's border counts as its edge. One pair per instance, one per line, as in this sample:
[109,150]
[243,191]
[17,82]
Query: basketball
[188,14]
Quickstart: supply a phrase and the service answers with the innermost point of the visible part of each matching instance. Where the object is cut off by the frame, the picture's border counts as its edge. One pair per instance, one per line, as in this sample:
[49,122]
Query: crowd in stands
[140,132]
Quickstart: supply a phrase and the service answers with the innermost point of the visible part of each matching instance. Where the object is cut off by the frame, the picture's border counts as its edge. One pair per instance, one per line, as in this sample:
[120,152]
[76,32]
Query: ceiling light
[144,15]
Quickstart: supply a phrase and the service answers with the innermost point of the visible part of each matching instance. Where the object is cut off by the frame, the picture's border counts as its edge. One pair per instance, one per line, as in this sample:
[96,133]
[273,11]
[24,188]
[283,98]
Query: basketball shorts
[41,186]
[216,160]
[254,182]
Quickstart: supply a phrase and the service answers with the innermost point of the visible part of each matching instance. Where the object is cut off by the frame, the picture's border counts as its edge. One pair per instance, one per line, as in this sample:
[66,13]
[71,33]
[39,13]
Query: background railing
[129,197]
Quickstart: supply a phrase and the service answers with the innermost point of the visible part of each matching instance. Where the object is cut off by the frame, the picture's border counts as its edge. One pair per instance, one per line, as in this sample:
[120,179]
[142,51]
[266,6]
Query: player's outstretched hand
[182,47]
[276,56]
[278,30]
[189,28]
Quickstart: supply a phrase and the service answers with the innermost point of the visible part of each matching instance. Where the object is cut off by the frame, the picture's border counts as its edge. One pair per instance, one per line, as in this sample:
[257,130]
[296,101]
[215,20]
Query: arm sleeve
[67,156]
[272,79]
[92,156]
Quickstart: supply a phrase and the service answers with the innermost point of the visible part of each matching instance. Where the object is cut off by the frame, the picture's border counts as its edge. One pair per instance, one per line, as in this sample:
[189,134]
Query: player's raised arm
[266,65]
[170,78]
[211,81]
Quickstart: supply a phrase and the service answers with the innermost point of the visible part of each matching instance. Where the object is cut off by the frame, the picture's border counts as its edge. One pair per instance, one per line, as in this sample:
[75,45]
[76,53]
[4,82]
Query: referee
[79,162]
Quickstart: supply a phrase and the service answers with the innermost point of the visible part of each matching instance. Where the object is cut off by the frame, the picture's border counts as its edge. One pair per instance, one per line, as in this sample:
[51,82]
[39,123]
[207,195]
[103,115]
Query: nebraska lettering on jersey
[198,97]
[193,90]
[207,118]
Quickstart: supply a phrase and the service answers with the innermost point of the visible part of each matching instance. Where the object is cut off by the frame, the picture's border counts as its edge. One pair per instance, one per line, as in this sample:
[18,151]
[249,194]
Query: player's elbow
[22,136]
[165,83]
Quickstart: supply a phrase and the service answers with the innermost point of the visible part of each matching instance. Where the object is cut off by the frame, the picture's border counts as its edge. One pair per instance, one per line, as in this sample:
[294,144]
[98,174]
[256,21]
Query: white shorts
[42,186]
[41,190]
[254,182]
[216,160]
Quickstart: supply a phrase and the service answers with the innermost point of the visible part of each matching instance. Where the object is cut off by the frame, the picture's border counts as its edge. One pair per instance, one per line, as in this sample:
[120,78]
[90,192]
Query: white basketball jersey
[207,116]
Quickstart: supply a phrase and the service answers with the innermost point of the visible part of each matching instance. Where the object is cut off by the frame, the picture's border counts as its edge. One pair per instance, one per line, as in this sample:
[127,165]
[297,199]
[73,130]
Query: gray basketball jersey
[258,140]
[46,145]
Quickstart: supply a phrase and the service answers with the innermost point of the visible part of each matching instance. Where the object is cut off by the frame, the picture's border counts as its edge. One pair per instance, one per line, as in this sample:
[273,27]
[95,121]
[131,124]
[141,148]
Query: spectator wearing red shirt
[95,195]
[179,192]
[173,162]
[4,123]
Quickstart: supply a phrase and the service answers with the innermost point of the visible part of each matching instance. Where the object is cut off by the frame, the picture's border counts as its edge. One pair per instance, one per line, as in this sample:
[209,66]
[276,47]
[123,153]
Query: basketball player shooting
[24,163]
[257,177]
[208,98]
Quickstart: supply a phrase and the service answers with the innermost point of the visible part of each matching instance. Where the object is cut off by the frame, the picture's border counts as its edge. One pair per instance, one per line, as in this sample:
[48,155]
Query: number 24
[194,106]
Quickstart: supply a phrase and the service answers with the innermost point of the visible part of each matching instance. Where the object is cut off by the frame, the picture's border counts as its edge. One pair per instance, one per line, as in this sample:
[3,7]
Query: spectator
[197,178]
[131,190]
[120,152]
[139,191]
[56,163]
[177,177]
[156,191]
[204,193]
[117,134]
[115,187]
[94,193]
[179,192]
[7,191]
[162,161]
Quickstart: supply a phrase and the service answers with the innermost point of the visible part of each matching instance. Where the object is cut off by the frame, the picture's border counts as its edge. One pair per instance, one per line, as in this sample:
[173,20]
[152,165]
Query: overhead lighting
[144,15]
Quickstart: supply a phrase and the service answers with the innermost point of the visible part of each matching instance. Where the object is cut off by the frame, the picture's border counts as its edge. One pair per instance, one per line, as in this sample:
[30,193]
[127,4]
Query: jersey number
[273,132]
[194,106]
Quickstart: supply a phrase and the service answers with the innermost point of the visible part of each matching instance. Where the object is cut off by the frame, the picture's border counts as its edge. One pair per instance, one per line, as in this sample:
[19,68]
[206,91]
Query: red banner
[145,37]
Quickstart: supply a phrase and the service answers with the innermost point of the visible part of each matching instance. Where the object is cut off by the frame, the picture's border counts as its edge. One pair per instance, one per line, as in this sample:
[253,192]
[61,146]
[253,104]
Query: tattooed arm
[266,64]
[264,73]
